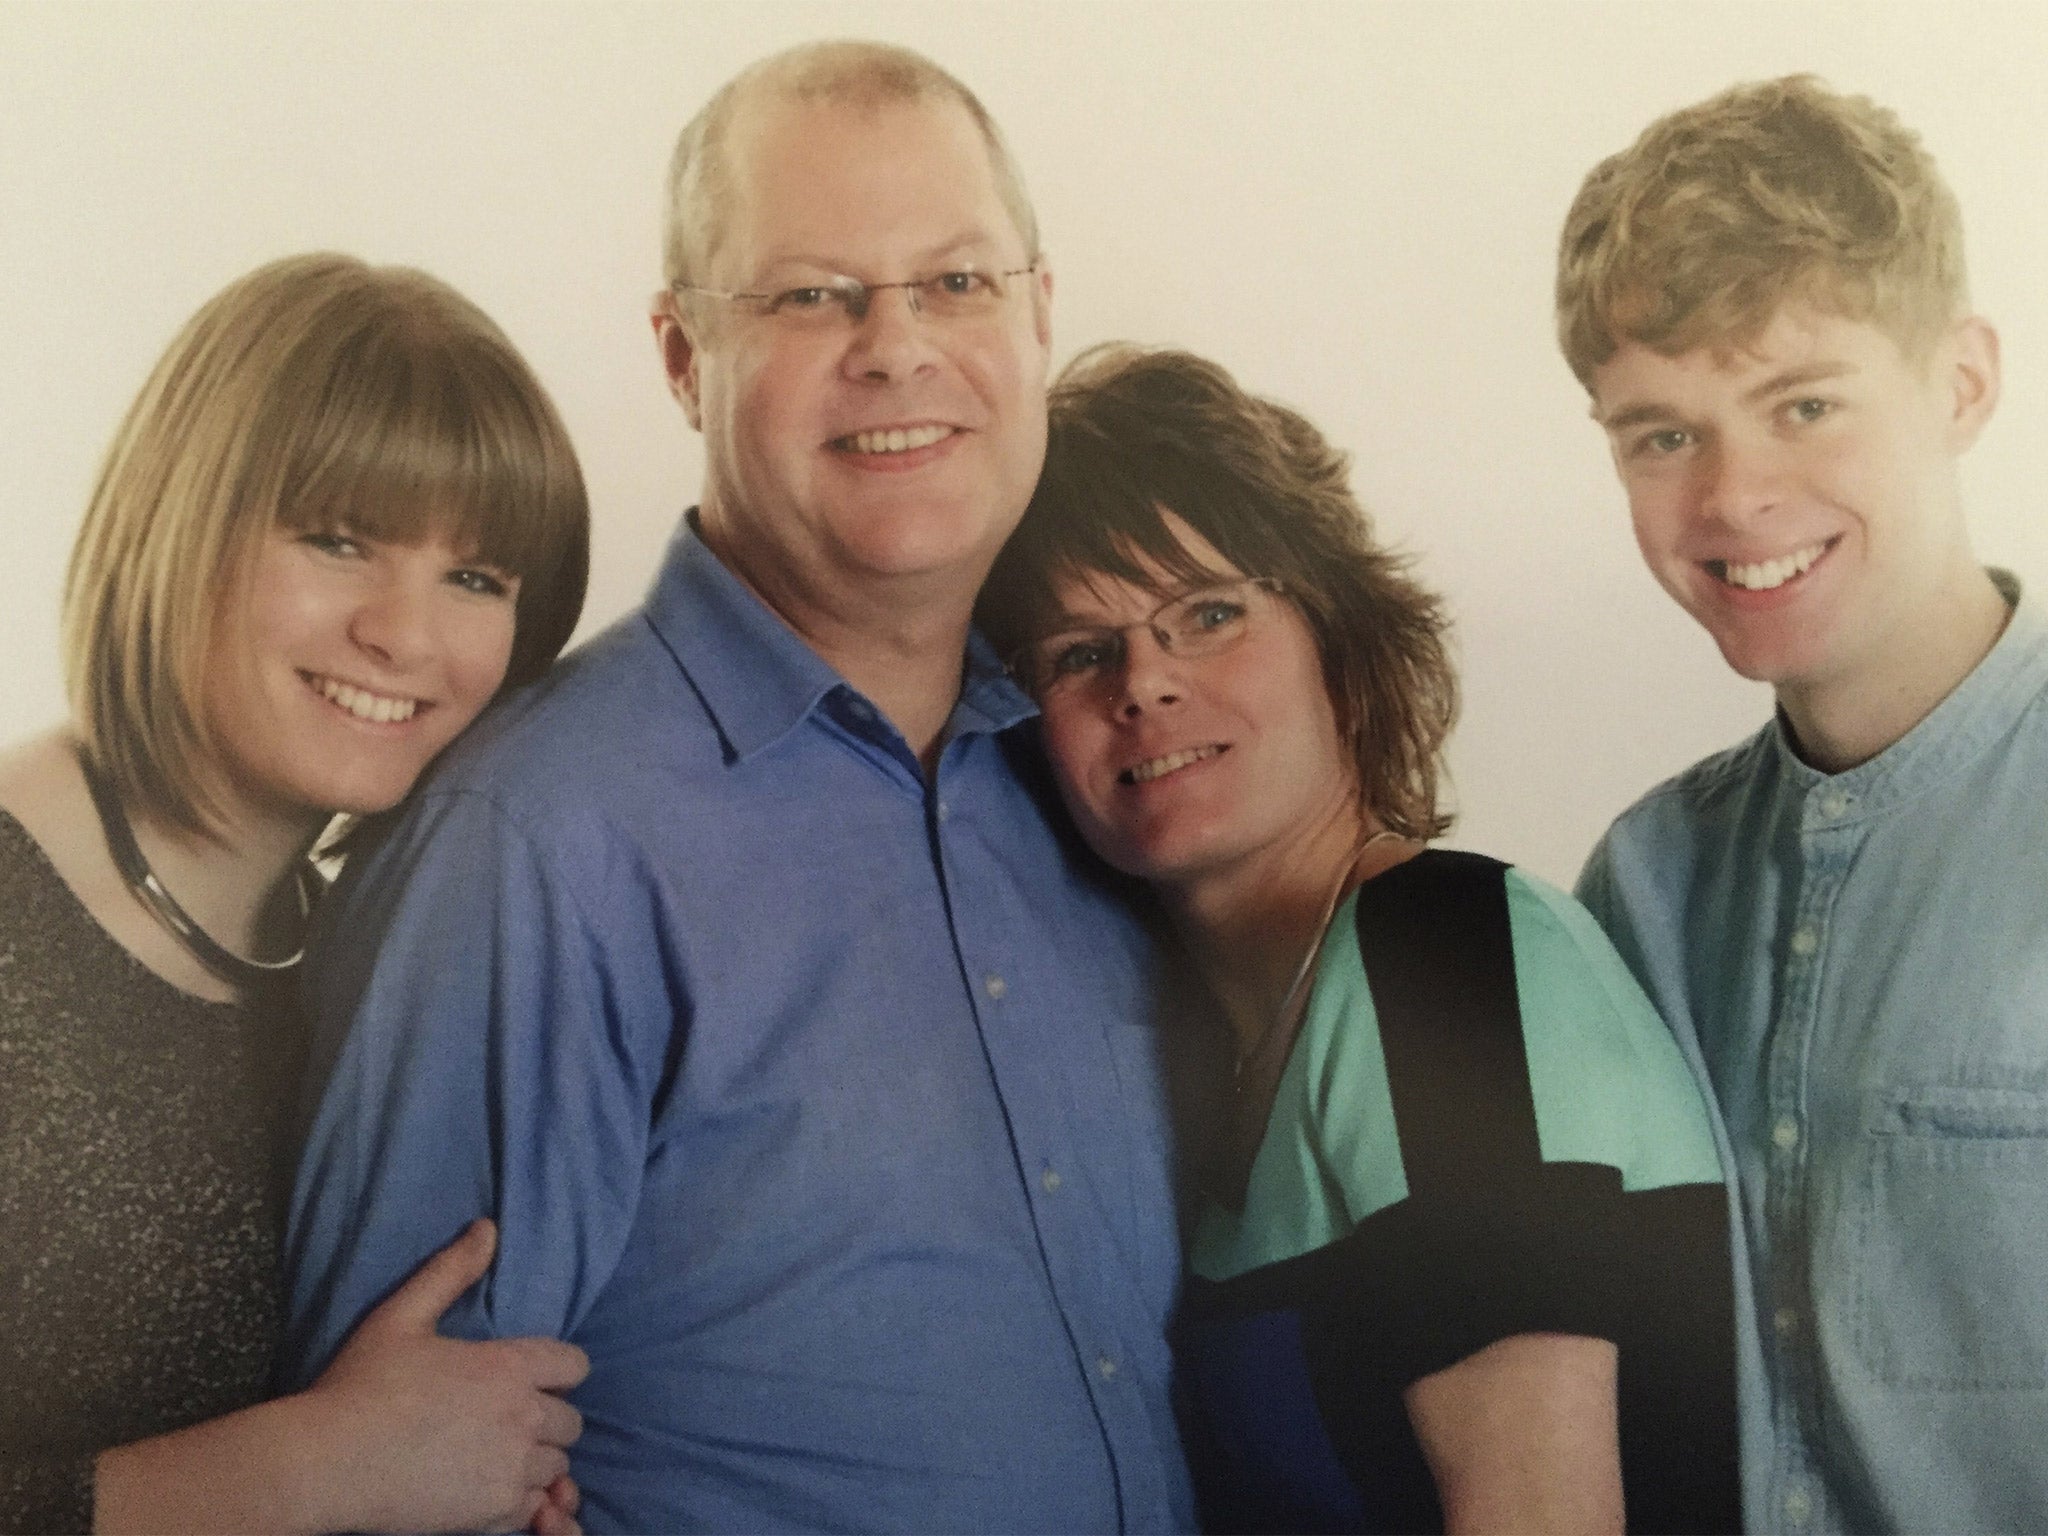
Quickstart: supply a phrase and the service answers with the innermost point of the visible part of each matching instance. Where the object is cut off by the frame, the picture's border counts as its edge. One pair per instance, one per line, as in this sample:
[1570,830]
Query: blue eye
[1078,658]
[799,299]
[1668,441]
[330,542]
[1216,613]
[481,582]
[1811,409]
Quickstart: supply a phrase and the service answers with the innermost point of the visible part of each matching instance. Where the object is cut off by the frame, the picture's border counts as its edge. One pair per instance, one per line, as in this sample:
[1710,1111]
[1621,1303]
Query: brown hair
[1136,433]
[848,71]
[314,392]
[1770,193]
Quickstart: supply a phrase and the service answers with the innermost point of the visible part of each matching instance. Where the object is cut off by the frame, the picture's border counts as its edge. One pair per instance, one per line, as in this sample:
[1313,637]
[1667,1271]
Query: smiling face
[347,666]
[1798,497]
[854,456]
[1182,770]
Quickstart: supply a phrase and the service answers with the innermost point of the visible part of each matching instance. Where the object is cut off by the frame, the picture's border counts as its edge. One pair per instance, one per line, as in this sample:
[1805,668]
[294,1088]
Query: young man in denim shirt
[1845,917]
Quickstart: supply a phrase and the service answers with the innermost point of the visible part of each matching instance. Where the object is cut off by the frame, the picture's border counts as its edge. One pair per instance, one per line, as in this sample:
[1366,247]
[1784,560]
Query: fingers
[549,1363]
[559,1423]
[553,1509]
[565,1495]
[528,1516]
[556,1515]
[433,1288]
[545,1463]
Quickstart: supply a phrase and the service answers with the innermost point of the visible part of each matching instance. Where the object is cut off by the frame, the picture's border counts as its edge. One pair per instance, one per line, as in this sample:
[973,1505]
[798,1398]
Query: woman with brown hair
[1459,1252]
[341,516]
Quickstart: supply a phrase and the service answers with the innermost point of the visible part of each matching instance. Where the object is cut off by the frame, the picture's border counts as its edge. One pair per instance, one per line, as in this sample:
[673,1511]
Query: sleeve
[1600,890]
[1609,1082]
[481,1054]
[1594,889]
[1560,1165]
[1612,1087]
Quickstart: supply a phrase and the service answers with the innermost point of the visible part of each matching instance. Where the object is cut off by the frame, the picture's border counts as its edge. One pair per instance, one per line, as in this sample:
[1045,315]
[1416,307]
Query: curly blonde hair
[1773,193]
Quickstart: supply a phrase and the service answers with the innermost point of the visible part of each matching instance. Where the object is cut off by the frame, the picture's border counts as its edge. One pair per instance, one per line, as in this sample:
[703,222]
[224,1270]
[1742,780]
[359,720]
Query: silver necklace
[1288,1000]
[142,880]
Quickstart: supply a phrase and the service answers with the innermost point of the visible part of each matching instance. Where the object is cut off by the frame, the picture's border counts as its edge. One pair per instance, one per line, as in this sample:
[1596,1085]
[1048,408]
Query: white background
[1353,206]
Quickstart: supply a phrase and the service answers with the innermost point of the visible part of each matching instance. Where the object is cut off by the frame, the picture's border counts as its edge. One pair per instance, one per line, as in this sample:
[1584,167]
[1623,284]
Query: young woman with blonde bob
[340,516]
[1459,1257]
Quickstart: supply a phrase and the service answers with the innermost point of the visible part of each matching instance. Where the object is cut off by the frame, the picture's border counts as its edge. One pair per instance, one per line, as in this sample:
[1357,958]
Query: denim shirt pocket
[1952,1241]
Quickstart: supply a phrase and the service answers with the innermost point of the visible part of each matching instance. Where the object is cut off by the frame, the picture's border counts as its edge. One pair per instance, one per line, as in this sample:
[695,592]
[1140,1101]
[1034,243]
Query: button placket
[1824,859]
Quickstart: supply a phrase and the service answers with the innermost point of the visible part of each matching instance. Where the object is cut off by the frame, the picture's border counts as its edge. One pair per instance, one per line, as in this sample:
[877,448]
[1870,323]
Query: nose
[1151,673]
[393,622]
[1742,480]
[892,340]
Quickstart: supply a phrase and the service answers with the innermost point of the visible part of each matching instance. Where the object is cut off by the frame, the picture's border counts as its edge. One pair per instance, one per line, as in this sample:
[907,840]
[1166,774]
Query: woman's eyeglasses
[1198,623]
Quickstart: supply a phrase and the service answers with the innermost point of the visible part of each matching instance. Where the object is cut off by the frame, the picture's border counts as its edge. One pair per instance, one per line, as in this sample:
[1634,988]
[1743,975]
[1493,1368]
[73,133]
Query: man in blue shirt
[741,969]
[1843,918]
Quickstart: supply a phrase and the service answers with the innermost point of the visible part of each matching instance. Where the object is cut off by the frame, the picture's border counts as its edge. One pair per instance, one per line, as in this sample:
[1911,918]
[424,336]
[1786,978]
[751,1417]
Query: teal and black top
[1483,1130]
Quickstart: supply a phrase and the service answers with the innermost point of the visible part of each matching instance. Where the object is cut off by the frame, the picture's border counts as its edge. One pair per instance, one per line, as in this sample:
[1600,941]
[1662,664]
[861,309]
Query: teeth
[364,705]
[1771,573]
[897,439]
[1159,767]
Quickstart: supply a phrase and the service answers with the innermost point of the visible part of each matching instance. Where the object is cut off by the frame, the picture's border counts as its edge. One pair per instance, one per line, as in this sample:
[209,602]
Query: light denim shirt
[816,1098]
[1862,961]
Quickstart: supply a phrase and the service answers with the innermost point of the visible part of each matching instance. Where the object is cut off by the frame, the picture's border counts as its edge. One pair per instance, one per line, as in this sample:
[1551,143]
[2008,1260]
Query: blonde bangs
[428,423]
[410,446]
[315,392]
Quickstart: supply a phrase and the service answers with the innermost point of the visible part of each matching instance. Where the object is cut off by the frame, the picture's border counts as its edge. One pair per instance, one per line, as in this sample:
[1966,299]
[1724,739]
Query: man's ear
[678,354]
[1041,303]
[1968,360]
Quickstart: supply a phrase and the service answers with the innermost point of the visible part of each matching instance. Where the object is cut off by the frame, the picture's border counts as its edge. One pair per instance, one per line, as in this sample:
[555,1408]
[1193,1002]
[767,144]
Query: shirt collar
[1975,716]
[990,699]
[758,678]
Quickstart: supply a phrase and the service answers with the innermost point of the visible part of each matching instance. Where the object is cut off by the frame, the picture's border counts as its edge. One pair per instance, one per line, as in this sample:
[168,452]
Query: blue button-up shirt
[817,1100]
[1862,961]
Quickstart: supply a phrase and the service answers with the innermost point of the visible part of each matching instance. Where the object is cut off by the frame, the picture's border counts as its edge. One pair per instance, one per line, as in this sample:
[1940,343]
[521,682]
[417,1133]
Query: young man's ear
[1969,365]
[678,353]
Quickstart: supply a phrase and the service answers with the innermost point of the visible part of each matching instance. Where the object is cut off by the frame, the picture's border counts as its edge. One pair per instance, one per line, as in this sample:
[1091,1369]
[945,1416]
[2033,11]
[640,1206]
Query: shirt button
[1786,1321]
[1105,1367]
[1786,1133]
[996,986]
[1798,1506]
[1834,804]
[1805,941]
[945,810]
[1050,1180]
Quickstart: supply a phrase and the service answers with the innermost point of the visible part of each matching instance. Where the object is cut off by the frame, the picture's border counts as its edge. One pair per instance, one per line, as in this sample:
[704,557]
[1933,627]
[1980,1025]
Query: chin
[1161,861]
[1745,664]
[368,795]
[1772,661]
[917,545]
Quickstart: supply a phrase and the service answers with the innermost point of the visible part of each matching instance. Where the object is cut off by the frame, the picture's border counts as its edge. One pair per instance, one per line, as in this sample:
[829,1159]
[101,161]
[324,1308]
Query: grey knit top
[143,1160]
